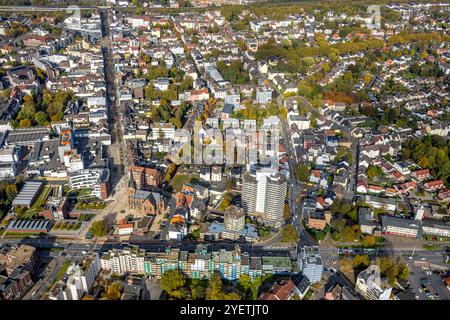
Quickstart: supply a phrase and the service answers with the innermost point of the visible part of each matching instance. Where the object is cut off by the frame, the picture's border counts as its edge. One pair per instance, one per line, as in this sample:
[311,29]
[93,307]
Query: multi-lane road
[305,238]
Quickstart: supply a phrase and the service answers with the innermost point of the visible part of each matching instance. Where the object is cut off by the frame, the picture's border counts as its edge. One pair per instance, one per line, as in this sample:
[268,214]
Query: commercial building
[381,203]
[310,263]
[14,286]
[13,256]
[199,264]
[365,220]
[17,265]
[128,260]
[369,285]
[162,131]
[9,158]
[27,137]
[216,173]
[234,227]
[435,228]
[44,160]
[95,179]
[217,231]
[400,226]
[145,178]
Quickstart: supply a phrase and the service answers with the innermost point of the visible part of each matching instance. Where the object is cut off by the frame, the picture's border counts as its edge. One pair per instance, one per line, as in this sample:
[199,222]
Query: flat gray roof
[35,224]
[27,193]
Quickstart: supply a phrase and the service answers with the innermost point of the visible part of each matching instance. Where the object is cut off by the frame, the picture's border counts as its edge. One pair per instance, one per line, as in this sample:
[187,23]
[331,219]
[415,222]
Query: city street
[305,238]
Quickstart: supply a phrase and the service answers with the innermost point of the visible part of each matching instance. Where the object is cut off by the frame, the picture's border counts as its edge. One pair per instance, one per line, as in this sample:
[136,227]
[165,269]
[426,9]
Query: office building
[310,263]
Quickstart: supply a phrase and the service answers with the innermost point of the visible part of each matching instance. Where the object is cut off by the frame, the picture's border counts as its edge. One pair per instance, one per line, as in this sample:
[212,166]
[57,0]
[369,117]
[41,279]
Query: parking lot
[428,284]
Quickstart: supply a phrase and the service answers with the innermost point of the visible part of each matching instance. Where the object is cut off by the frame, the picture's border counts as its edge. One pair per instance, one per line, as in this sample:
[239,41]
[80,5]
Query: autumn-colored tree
[361,261]
[215,290]
[286,212]
[11,191]
[113,292]
[172,282]
[25,123]
[369,241]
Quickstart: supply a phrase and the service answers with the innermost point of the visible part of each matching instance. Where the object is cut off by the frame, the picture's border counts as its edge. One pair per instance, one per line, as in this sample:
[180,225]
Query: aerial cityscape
[224,150]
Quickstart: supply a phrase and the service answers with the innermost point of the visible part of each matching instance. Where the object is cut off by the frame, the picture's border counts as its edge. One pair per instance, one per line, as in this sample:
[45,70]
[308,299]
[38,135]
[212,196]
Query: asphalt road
[305,238]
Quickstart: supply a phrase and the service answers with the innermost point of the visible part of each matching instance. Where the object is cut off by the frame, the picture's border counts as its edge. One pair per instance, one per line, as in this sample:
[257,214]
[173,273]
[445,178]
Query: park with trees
[429,152]
[177,285]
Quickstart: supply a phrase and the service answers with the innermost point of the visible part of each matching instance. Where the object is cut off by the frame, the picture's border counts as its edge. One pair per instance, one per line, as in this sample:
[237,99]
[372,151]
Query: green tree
[361,261]
[41,118]
[374,172]
[198,289]
[99,228]
[113,292]
[186,84]
[302,172]
[11,191]
[245,283]
[173,281]
[256,284]
[215,287]
[369,241]
[195,235]
[234,72]
[28,109]
[286,212]
[25,123]
[289,234]
[404,272]
[231,296]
